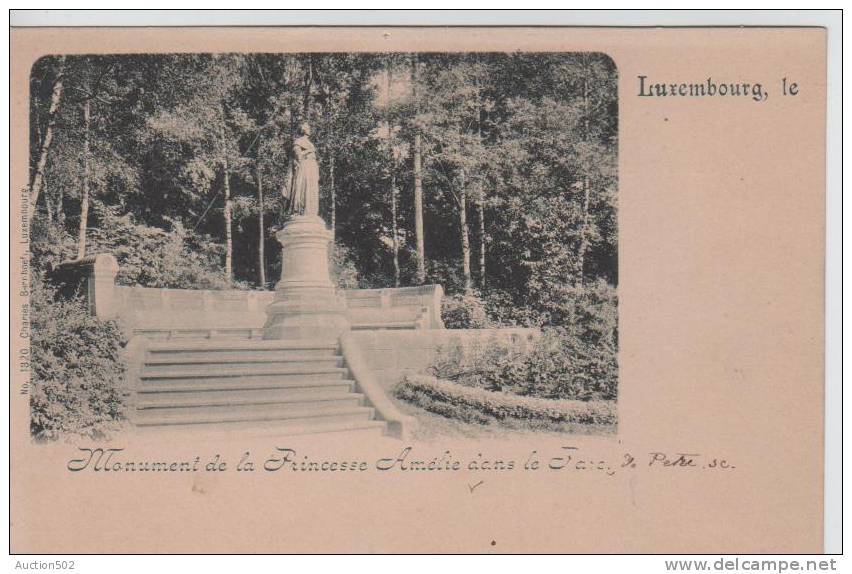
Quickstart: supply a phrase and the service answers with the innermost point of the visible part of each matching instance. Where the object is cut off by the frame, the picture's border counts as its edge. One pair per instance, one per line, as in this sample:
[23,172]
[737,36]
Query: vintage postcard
[433,290]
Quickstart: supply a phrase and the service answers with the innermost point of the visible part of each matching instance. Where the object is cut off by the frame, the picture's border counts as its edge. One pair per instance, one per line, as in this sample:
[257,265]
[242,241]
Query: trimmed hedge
[481,406]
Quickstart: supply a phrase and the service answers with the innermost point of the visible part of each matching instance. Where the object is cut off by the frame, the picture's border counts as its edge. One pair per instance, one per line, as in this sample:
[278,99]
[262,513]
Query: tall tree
[391,175]
[86,155]
[596,165]
[456,152]
[47,139]
[338,119]
[479,192]
[555,191]
[347,117]
[208,124]
[261,235]
[417,173]
[84,186]
[461,194]
[226,212]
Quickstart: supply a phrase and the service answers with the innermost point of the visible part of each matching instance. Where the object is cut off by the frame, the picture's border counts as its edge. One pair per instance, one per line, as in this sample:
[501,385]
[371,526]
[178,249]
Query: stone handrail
[399,424]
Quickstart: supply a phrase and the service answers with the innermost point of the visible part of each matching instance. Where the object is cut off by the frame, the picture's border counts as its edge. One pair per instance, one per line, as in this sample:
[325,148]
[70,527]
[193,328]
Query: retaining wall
[390,354]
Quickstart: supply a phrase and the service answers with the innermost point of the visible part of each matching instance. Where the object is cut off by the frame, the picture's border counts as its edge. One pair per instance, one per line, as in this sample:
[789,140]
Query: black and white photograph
[410,244]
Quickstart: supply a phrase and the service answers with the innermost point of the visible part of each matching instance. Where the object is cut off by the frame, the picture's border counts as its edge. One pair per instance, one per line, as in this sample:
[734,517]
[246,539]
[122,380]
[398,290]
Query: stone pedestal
[307,304]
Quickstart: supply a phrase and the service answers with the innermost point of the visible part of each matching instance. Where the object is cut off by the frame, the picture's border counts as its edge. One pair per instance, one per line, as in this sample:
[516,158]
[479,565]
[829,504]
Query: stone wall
[400,308]
[389,354]
[149,309]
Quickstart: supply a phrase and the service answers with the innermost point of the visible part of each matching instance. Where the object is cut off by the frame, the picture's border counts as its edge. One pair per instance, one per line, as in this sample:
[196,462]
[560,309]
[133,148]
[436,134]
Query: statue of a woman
[302,188]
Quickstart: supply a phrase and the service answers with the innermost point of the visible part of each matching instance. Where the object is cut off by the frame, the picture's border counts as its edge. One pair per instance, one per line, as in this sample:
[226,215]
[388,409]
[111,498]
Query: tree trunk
[394,230]
[39,136]
[84,191]
[480,191]
[229,248]
[391,162]
[261,234]
[480,214]
[55,99]
[333,194]
[584,238]
[465,240]
[48,203]
[418,184]
[419,230]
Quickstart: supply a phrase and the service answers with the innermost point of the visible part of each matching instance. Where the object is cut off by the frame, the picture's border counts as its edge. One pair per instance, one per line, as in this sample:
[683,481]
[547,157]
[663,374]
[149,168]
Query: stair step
[250,429]
[215,415]
[239,384]
[390,325]
[240,345]
[222,355]
[244,411]
[237,398]
[200,372]
[244,366]
[243,396]
[241,360]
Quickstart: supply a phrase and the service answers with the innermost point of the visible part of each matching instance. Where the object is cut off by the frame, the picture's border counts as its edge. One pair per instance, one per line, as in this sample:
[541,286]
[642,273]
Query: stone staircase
[265,387]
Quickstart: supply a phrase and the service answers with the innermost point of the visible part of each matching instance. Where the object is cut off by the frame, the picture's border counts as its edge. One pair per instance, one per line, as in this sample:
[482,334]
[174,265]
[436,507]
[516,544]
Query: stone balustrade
[161,313]
[400,308]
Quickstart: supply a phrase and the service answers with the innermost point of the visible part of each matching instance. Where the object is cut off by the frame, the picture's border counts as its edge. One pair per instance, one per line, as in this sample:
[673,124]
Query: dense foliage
[558,365]
[576,358]
[464,311]
[77,370]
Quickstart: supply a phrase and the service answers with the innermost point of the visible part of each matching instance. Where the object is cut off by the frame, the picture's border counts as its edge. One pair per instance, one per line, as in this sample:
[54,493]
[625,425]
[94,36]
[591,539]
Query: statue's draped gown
[304,185]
